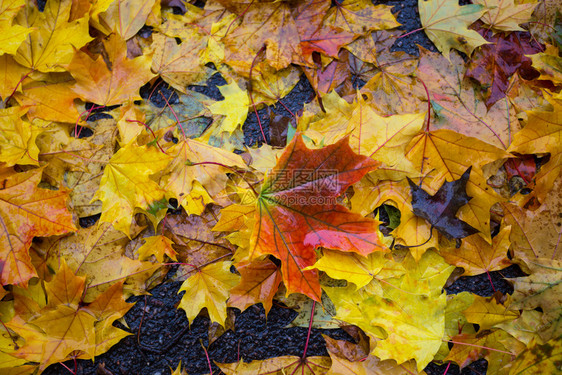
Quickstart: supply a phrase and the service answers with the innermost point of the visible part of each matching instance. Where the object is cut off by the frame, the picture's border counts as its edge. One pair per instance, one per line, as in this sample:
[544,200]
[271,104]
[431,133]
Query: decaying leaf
[440,209]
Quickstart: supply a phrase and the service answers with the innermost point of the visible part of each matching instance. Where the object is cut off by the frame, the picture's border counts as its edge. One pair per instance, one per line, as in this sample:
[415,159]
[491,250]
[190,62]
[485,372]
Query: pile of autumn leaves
[421,118]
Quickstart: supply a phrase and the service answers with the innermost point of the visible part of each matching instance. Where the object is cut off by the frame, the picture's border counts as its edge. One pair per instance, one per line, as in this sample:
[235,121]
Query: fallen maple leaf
[97,253]
[109,85]
[11,35]
[538,358]
[401,310]
[62,324]
[476,255]
[445,155]
[278,366]
[487,312]
[541,290]
[157,246]
[504,15]
[297,212]
[208,287]
[494,64]
[178,65]
[440,209]
[51,44]
[446,24]
[18,138]
[234,107]
[27,211]
[457,106]
[126,185]
[497,346]
[259,282]
[126,17]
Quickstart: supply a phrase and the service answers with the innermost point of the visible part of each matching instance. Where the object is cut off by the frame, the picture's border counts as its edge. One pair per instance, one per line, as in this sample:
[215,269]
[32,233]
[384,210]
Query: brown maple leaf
[494,64]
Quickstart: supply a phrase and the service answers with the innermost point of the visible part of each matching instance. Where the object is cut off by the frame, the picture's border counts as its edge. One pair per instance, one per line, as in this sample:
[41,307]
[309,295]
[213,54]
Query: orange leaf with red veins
[100,84]
[477,256]
[27,211]
[54,331]
[259,283]
[297,211]
[268,24]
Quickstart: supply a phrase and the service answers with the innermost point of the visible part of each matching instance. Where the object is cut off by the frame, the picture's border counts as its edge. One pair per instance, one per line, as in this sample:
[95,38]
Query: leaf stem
[411,32]
[207,356]
[429,105]
[148,128]
[251,95]
[142,319]
[421,244]
[174,113]
[490,279]
[68,368]
[479,346]
[88,113]
[237,17]
[17,85]
[309,329]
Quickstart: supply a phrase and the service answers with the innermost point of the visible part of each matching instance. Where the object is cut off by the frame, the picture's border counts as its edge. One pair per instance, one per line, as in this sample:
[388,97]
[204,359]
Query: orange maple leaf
[297,211]
[27,211]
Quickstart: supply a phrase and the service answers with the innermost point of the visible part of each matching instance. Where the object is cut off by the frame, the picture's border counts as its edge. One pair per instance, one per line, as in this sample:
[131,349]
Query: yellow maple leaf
[487,312]
[446,24]
[126,185]
[17,138]
[157,246]
[234,107]
[208,287]
[351,267]
[126,17]
[504,15]
[51,45]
